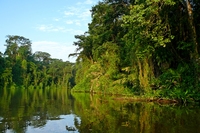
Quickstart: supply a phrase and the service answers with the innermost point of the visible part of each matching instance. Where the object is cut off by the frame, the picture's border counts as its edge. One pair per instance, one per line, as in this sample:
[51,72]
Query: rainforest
[139,48]
[20,68]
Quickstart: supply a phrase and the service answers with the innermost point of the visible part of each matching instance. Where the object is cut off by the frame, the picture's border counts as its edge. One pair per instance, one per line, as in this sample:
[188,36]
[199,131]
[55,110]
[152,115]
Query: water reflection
[102,114]
[56,110]
[33,108]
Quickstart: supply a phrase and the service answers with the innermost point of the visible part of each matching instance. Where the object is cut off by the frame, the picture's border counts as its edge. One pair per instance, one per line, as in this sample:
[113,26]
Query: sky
[50,24]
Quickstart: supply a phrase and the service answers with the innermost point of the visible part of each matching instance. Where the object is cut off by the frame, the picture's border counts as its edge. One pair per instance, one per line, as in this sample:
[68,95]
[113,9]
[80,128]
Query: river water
[58,111]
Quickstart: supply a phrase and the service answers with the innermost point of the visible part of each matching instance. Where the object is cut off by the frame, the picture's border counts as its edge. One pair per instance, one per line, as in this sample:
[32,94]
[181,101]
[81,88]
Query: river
[58,111]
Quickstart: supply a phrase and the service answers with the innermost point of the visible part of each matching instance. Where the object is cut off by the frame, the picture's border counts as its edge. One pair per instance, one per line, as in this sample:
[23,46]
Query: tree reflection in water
[56,110]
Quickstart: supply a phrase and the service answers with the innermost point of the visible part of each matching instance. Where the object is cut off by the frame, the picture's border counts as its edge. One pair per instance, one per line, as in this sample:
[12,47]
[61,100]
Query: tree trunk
[194,55]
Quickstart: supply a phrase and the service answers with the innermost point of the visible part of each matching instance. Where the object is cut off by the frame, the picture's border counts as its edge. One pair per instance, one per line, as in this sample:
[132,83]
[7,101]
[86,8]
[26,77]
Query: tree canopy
[20,67]
[141,47]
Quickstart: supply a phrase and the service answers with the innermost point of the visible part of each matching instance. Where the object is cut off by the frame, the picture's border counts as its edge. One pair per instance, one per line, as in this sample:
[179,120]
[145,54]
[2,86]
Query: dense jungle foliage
[19,67]
[142,47]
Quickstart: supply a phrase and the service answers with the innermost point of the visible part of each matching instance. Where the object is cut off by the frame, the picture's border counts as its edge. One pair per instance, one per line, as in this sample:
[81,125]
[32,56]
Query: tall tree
[148,31]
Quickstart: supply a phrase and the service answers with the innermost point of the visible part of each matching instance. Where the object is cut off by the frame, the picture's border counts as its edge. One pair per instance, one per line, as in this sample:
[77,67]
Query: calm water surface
[57,111]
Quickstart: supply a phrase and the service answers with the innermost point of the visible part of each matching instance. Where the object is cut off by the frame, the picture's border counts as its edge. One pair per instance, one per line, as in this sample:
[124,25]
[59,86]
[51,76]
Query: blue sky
[49,24]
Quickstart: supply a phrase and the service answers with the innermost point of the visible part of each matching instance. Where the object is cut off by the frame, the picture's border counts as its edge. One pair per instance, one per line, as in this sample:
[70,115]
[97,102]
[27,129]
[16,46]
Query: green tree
[148,31]
[101,55]
[42,57]
[150,44]
[22,68]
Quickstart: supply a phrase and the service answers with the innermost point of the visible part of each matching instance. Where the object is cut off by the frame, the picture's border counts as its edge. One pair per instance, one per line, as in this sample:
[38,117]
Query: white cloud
[77,32]
[78,22]
[42,27]
[85,14]
[75,16]
[73,21]
[51,28]
[74,32]
[69,22]
[38,43]
[89,2]
[55,49]
[58,28]
[45,27]
[79,12]
[68,13]
[56,19]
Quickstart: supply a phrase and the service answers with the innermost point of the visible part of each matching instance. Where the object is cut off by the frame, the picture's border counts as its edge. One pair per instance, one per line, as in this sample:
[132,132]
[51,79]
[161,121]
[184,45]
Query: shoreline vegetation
[145,49]
[134,98]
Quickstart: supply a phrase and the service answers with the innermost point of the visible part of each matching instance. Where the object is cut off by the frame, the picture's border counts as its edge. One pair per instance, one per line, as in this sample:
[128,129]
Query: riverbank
[140,99]
[134,98]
